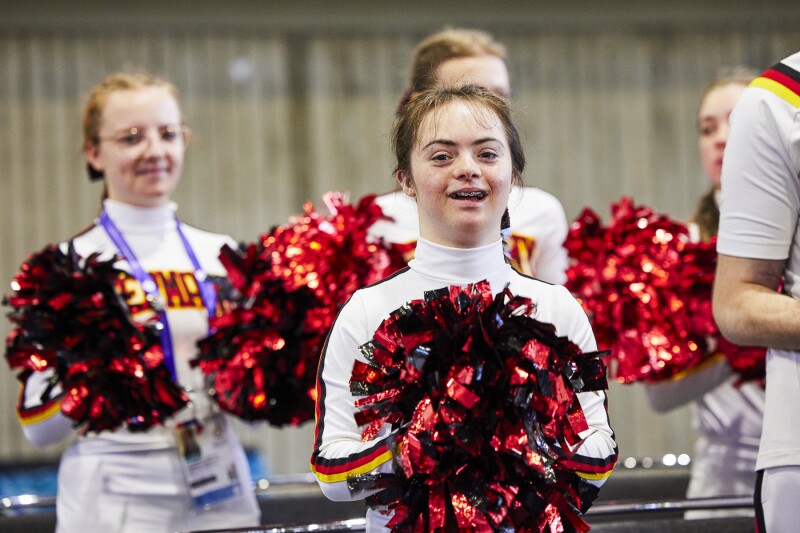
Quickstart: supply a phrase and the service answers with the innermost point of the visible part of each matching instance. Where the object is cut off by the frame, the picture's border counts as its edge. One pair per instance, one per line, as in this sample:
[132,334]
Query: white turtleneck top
[339,451]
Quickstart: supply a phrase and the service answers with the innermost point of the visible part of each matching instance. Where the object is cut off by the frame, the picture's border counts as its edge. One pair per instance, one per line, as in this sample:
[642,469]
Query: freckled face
[484,70]
[712,123]
[144,172]
[461,175]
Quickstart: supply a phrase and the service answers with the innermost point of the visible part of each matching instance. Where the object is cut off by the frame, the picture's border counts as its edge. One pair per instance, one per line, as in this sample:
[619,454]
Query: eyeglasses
[136,137]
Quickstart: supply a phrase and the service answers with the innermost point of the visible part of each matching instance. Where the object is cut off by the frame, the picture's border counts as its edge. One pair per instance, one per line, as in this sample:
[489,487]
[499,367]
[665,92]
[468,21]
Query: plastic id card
[208,462]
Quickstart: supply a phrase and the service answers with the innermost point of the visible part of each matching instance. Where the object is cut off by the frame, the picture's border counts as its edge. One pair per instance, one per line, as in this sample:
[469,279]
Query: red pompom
[750,362]
[264,350]
[71,315]
[482,402]
[647,290]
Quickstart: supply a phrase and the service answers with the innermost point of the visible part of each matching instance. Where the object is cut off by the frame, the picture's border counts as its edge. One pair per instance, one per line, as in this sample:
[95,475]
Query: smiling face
[712,123]
[140,146]
[461,175]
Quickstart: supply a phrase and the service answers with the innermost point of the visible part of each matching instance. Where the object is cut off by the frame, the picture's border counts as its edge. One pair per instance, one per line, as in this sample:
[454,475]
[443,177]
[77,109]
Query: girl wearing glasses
[192,473]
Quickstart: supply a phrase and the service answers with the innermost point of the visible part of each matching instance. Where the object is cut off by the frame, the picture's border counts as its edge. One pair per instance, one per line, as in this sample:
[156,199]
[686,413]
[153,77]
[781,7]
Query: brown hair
[96,103]
[410,117]
[738,75]
[706,213]
[447,44]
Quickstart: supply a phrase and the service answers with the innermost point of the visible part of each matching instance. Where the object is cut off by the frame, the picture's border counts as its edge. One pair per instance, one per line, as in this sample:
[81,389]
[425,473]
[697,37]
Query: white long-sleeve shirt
[339,451]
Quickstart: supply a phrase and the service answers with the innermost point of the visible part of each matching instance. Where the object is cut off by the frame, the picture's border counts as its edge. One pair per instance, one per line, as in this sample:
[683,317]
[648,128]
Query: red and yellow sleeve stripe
[591,468]
[39,413]
[783,81]
[339,469]
[334,470]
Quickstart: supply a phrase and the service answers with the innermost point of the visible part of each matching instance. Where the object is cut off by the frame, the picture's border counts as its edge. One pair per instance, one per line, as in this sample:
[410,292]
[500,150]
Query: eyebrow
[448,142]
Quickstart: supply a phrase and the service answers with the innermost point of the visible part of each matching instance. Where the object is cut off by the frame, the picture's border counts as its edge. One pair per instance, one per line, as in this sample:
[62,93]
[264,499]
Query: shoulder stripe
[782,81]
[789,72]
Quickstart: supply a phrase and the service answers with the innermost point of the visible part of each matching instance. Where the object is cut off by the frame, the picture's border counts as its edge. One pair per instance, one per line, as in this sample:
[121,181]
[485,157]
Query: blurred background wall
[289,99]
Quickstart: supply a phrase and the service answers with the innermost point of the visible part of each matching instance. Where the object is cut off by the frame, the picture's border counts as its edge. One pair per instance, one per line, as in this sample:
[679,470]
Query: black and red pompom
[481,399]
[264,350]
[71,315]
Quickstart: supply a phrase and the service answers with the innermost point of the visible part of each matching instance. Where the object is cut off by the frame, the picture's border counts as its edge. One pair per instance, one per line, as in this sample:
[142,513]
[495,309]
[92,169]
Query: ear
[92,150]
[406,183]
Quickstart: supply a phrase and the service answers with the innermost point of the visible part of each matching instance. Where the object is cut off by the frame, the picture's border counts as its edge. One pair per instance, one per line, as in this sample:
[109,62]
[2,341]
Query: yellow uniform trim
[594,477]
[363,469]
[777,89]
[27,420]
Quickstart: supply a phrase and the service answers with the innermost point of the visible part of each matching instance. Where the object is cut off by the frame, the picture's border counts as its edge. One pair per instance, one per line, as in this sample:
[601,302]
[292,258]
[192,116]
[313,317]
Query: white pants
[778,494]
[144,491]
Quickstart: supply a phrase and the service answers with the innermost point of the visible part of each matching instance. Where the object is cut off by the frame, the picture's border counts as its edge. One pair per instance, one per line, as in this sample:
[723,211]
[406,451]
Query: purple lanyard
[207,292]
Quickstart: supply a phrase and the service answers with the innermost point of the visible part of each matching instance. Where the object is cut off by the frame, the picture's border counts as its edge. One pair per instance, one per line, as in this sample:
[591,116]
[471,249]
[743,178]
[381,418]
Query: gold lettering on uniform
[190,286]
[522,248]
[179,289]
[165,288]
[133,289]
[136,298]
[178,279]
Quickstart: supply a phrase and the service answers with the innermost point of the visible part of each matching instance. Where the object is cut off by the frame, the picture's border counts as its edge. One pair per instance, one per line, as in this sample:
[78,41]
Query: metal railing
[693,504]
[283,486]
[26,504]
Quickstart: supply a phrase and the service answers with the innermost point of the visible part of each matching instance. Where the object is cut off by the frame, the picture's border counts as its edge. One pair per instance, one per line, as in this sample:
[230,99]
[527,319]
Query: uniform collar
[129,217]
[461,265]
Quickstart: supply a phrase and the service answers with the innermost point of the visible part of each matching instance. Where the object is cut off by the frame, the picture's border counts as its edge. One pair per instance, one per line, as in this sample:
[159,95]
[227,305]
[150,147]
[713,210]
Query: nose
[467,167]
[154,145]
[721,136]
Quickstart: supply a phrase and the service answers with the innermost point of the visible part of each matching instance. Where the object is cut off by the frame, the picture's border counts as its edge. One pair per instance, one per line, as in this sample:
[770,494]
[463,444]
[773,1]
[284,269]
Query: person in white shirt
[759,248]
[458,157]
[123,481]
[538,223]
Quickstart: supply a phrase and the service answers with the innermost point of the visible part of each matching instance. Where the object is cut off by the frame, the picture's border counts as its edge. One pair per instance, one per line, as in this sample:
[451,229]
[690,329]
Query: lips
[154,171]
[468,195]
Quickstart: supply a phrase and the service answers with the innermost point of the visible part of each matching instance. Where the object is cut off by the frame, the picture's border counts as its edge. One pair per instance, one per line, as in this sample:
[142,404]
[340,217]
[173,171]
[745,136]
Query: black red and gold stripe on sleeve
[782,81]
[38,413]
[591,468]
[334,470]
